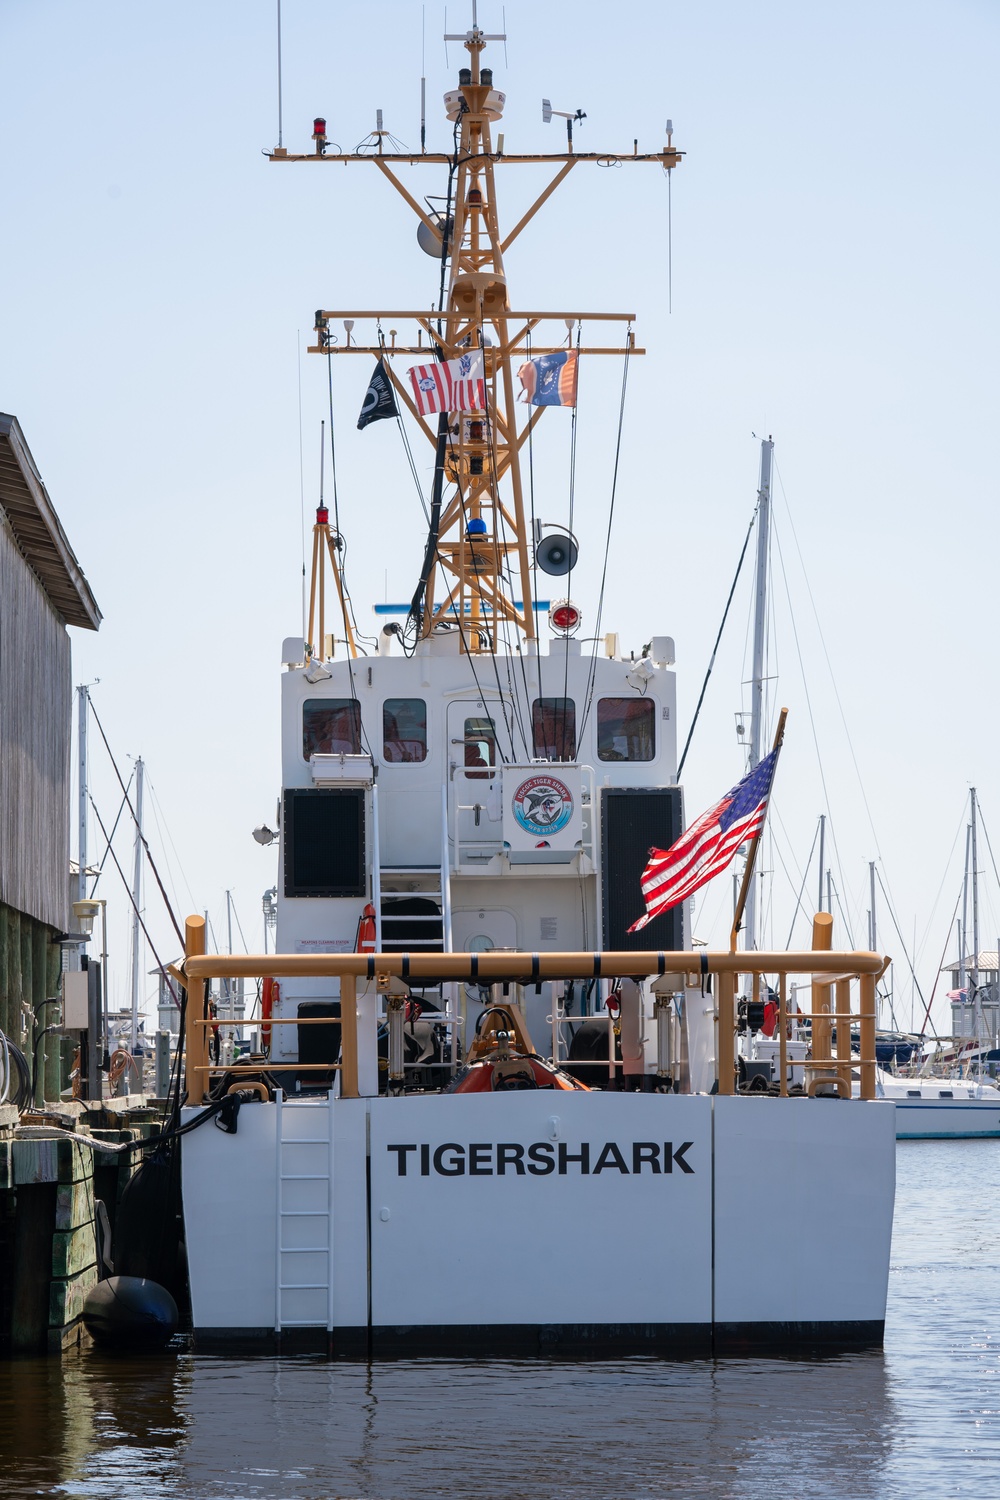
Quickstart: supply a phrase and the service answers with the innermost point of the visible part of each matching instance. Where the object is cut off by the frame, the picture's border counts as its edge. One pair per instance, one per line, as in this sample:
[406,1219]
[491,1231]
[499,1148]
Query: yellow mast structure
[474,572]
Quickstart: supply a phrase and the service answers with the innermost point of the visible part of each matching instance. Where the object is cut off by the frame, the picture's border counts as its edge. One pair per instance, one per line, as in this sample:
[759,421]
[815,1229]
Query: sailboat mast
[82,703]
[974,973]
[759,629]
[136,893]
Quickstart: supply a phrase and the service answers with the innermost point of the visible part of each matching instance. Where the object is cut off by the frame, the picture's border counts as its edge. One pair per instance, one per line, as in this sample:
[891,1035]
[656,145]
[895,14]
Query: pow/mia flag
[379,399]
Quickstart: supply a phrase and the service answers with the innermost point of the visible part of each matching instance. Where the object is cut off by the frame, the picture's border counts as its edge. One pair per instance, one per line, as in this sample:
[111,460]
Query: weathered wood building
[42,591]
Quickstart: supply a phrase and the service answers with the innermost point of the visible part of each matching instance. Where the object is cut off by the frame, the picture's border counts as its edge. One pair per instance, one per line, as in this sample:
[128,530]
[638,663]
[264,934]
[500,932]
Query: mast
[759,632]
[964,930]
[822,843]
[82,706]
[478,563]
[136,897]
[974,974]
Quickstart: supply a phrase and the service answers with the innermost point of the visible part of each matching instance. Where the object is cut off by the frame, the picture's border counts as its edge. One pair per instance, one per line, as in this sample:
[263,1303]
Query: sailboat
[426,1155]
[957,1102]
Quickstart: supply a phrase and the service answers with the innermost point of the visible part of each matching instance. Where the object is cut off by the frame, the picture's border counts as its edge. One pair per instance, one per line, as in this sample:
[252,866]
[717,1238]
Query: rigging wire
[805,876]
[302,481]
[114,830]
[572,508]
[826,655]
[534,548]
[167,837]
[902,944]
[809,707]
[718,639]
[592,673]
[142,836]
[152,946]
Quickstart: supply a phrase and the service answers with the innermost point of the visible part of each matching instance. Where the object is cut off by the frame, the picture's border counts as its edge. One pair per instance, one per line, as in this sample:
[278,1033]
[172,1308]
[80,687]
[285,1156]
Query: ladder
[429,931]
[303,1281]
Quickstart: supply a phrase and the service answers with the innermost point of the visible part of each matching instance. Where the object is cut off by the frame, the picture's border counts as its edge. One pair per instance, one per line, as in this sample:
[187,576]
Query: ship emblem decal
[542,804]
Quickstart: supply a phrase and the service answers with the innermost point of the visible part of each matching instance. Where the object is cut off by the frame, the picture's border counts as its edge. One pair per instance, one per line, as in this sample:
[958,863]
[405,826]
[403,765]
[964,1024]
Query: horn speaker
[557,554]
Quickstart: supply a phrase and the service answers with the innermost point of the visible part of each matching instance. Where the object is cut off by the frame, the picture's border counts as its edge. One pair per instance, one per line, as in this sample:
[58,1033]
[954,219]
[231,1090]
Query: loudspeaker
[556,554]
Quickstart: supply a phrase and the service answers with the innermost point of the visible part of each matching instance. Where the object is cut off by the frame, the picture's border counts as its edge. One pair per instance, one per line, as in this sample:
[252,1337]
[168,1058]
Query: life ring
[365,941]
[269,996]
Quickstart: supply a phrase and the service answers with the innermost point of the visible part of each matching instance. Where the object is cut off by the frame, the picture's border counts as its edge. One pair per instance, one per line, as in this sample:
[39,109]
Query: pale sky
[834,240]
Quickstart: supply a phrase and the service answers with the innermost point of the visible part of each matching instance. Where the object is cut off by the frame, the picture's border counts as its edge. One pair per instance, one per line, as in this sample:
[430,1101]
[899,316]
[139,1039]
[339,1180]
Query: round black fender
[129,1312]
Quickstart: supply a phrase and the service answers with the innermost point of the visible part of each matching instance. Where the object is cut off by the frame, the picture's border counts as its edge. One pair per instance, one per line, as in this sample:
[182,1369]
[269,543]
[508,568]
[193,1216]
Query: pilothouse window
[553,728]
[331,726]
[404,729]
[626,729]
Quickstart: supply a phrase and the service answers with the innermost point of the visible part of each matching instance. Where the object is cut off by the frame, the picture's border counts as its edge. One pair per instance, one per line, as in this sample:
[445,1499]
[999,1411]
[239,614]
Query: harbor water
[920,1418]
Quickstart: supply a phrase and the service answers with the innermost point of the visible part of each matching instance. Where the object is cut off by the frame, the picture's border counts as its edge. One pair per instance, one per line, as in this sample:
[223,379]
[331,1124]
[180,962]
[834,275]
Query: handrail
[526,967]
[831,971]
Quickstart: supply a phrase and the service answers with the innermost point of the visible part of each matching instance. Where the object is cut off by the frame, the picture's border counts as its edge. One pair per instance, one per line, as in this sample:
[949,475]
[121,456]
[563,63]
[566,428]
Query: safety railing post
[725,1034]
[196,1038]
[822,941]
[842,993]
[868,1036]
[349,1036]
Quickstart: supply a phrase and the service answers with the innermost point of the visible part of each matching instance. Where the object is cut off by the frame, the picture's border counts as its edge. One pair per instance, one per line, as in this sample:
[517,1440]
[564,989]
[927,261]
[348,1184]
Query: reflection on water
[922,1419]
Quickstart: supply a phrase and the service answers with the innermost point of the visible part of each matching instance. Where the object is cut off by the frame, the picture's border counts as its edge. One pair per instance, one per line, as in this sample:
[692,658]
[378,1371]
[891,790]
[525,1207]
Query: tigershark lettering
[511,1159]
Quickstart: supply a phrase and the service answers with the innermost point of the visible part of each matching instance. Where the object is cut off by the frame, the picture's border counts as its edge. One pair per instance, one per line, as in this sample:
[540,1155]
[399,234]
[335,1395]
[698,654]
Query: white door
[475,780]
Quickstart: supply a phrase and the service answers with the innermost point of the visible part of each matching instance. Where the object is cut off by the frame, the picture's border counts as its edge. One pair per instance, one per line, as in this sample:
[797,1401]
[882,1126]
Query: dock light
[564,616]
[464,77]
[477,526]
[86,913]
[486,77]
[476,464]
[474,196]
[476,431]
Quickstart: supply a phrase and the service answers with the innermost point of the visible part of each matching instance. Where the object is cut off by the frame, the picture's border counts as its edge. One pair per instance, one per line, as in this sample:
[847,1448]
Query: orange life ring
[269,996]
[365,941]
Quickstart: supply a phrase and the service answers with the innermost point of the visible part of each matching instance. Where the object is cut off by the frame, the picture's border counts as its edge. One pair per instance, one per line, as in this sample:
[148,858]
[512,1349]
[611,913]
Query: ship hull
[535,1223]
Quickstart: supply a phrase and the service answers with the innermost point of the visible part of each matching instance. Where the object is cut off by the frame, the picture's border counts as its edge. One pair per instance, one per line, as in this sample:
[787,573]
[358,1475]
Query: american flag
[706,848]
[455,385]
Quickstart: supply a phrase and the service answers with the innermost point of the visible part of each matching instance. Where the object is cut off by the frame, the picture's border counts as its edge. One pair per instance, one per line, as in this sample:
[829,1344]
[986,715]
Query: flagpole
[741,899]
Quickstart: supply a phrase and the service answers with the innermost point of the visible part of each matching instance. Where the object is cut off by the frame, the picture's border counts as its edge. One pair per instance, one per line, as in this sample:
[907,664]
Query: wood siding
[35,729]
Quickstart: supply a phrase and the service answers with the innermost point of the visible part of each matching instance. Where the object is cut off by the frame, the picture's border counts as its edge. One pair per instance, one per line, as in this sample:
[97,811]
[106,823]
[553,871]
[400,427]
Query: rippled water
[919,1420]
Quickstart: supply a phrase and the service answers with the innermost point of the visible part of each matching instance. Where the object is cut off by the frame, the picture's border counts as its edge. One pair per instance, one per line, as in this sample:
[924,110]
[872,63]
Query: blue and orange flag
[549,380]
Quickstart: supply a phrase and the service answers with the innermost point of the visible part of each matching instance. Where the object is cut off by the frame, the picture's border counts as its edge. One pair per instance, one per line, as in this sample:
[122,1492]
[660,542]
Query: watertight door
[475,780]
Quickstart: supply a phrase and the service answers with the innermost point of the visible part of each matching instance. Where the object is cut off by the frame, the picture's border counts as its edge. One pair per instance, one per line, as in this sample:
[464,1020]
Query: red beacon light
[564,616]
[322,515]
[319,134]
